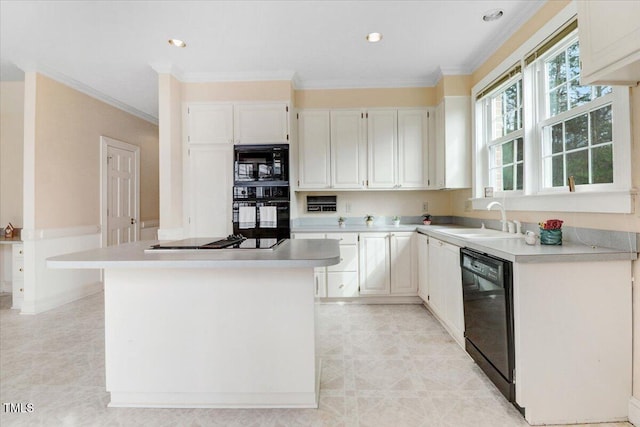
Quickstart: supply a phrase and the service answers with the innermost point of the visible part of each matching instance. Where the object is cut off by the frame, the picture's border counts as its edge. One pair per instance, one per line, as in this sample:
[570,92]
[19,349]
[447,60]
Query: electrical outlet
[425,206]
[347,207]
[467,206]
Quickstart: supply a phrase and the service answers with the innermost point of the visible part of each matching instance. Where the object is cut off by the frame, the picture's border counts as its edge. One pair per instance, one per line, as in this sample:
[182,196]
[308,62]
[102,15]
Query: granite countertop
[511,249]
[289,254]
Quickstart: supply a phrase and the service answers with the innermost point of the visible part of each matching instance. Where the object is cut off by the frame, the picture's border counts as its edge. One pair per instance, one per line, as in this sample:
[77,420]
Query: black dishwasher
[487,289]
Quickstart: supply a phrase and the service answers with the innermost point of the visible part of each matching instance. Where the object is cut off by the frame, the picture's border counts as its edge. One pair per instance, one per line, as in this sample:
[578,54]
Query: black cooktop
[229,242]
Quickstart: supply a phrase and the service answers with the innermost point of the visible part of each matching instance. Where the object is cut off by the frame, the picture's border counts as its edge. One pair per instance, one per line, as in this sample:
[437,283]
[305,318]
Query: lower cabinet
[388,264]
[17,276]
[445,286]
[423,266]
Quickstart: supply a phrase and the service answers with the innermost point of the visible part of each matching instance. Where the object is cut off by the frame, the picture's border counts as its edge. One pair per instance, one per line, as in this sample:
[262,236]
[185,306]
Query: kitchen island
[210,328]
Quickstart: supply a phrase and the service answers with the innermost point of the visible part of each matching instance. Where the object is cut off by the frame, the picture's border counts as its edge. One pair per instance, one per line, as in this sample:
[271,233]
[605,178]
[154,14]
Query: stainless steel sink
[479,233]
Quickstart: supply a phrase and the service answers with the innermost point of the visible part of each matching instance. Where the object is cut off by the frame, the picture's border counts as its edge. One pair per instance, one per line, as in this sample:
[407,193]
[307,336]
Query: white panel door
[403,266]
[374,264]
[382,135]
[261,123]
[121,196]
[348,149]
[210,185]
[412,148]
[210,124]
[314,138]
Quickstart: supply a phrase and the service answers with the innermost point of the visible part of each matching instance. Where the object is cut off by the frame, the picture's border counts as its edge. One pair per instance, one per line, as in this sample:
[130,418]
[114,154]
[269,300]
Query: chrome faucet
[502,212]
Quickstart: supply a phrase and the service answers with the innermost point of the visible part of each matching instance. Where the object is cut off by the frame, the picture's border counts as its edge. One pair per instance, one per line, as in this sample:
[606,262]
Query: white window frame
[605,198]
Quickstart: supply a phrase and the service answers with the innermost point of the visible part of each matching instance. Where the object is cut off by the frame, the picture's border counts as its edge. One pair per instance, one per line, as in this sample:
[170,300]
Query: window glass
[577,130]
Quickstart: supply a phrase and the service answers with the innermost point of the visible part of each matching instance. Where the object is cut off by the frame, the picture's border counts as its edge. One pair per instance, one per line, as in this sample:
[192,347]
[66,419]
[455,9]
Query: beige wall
[11,143]
[453,86]
[68,126]
[366,98]
[276,90]
[381,203]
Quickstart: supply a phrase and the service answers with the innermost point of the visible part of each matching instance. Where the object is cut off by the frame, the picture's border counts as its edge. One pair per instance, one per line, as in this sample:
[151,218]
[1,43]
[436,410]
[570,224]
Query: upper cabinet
[222,123]
[261,123]
[314,138]
[382,148]
[609,34]
[378,149]
[452,144]
[348,149]
[210,124]
[332,149]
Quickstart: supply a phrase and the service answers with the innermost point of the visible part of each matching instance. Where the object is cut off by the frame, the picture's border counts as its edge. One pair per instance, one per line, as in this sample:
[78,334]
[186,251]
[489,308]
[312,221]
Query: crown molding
[364,84]
[87,90]
[204,77]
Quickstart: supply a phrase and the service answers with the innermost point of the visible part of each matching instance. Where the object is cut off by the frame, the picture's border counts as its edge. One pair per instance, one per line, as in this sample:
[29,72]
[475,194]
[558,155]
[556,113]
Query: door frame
[105,143]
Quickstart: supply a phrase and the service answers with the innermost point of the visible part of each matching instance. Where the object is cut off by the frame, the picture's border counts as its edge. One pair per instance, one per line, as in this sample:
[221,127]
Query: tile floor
[384,365]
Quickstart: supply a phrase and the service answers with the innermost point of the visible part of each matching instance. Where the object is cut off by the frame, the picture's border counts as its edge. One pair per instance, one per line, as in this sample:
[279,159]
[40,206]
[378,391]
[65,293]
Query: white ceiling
[108,48]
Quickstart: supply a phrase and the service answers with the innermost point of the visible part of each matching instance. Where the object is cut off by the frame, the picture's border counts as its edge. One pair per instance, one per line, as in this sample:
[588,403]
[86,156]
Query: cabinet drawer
[348,259]
[341,284]
[344,238]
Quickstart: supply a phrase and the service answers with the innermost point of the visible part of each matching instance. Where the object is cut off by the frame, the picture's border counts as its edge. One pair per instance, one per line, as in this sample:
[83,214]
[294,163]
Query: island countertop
[289,254]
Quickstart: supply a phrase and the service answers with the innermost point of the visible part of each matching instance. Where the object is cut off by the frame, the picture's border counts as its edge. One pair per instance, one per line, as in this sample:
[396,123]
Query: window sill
[618,201]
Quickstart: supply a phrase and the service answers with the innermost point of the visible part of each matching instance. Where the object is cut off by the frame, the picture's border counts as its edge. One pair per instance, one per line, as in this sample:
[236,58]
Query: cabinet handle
[341,259]
[341,286]
[20,269]
[316,286]
[20,252]
[21,290]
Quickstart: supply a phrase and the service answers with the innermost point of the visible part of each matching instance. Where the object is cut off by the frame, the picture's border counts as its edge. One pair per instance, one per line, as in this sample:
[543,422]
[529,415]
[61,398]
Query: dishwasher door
[488,313]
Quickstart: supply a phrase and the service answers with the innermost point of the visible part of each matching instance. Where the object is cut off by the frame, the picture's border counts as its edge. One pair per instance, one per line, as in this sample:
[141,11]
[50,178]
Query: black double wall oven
[261,207]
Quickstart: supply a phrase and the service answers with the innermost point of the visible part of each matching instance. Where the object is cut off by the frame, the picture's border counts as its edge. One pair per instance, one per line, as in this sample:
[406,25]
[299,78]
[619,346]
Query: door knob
[133,220]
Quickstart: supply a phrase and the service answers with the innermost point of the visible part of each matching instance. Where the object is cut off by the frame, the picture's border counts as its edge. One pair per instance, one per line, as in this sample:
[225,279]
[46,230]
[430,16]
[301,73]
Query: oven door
[262,227]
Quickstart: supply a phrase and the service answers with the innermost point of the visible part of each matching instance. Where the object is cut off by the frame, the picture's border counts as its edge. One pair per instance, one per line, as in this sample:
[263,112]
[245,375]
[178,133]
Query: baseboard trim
[634,411]
[47,304]
[373,300]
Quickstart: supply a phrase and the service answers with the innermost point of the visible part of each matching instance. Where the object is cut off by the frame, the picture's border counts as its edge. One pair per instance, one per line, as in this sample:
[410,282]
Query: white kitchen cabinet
[314,138]
[209,124]
[382,148]
[423,266]
[609,33]
[261,123]
[375,262]
[348,149]
[445,287]
[210,181]
[404,271]
[17,276]
[340,280]
[452,144]
[412,148]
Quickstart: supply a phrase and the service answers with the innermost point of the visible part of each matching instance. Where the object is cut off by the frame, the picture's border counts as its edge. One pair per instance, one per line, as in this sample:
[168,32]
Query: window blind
[513,71]
[550,42]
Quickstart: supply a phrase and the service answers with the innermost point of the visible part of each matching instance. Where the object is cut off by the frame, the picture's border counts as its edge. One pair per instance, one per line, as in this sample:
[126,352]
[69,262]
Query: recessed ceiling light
[177,43]
[374,37]
[493,15]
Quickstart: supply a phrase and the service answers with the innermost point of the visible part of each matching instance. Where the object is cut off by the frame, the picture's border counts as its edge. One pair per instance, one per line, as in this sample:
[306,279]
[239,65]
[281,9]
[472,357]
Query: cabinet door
[382,148]
[609,42]
[320,281]
[412,148]
[436,279]
[348,148]
[314,137]
[439,148]
[348,259]
[374,264]
[452,275]
[261,124]
[210,182]
[423,266]
[210,124]
[403,266]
